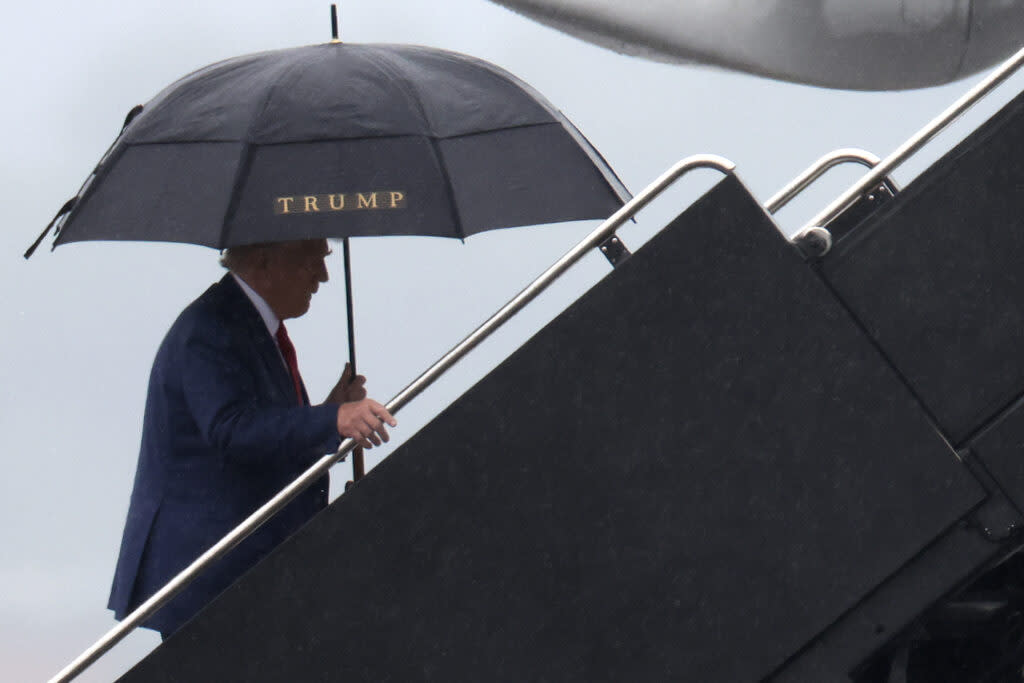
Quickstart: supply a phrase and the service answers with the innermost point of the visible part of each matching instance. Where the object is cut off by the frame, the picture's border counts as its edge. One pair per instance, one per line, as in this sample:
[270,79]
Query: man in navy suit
[228,425]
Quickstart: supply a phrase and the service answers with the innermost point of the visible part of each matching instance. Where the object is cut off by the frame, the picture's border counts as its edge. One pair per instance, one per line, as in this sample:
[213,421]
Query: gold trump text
[352,201]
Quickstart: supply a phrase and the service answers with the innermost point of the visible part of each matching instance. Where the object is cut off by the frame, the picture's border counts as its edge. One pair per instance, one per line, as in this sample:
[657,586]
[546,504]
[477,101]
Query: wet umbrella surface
[339,140]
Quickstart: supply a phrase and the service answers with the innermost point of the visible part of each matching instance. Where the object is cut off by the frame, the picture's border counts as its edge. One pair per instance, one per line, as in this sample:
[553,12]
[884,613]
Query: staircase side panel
[686,476]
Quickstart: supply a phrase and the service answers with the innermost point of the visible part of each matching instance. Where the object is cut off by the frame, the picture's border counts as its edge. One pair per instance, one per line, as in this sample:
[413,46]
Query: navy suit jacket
[223,432]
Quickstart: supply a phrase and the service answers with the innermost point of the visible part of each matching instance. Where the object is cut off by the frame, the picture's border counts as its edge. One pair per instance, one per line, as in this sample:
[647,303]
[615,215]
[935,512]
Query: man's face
[294,271]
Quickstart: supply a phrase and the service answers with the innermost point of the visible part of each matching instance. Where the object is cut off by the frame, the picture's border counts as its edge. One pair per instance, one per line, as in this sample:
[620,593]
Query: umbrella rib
[449,189]
[236,195]
[245,162]
[607,172]
[414,100]
[395,136]
[106,162]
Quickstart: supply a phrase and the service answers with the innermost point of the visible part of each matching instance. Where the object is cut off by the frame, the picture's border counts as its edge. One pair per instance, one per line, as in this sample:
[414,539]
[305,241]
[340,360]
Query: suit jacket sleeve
[233,415]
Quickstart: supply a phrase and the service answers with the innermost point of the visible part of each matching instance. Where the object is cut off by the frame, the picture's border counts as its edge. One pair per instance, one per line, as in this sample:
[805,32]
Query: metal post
[334,24]
[253,522]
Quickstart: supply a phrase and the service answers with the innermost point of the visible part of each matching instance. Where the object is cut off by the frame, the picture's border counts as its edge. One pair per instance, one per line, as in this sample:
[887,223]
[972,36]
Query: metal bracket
[614,250]
[997,519]
[817,241]
[867,204]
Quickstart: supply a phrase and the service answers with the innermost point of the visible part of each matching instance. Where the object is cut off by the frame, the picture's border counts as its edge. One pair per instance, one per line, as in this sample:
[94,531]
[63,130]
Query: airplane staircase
[727,461]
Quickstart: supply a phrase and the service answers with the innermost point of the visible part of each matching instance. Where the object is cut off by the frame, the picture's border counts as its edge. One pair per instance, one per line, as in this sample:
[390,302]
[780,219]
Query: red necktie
[288,351]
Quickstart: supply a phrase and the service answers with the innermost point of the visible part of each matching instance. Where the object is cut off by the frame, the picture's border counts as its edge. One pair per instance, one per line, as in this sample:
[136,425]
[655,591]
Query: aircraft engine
[854,44]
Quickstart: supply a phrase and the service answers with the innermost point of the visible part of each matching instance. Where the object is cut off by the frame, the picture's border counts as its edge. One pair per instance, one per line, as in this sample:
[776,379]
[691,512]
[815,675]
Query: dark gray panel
[944,566]
[1001,449]
[701,458]
[936,278]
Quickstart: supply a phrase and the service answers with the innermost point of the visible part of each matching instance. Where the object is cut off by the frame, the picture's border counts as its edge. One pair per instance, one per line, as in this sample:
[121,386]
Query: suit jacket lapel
[244,313]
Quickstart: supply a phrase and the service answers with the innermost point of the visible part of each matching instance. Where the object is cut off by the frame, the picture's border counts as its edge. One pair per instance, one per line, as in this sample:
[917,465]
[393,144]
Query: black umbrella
[340,140]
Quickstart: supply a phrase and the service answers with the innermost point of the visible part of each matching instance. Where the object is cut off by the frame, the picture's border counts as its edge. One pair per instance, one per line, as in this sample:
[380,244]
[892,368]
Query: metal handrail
[908,148]
[236,535]
[815,171]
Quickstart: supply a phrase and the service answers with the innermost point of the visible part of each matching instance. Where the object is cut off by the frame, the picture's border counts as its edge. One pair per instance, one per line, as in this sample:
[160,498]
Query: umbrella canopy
[338,140]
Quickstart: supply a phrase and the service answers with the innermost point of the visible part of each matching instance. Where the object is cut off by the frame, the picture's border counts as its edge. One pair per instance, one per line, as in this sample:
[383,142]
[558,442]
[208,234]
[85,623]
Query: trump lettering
[381,200]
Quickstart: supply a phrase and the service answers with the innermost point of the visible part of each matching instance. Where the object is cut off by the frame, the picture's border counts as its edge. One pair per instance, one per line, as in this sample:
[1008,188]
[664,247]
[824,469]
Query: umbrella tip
[334,24]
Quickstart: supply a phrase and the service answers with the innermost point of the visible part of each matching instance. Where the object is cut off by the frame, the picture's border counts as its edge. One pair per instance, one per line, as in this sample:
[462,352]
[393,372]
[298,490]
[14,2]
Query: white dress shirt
[269,319]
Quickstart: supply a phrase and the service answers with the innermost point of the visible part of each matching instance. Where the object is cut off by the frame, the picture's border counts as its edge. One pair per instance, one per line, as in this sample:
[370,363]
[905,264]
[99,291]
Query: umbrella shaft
[347,256]
[358,464]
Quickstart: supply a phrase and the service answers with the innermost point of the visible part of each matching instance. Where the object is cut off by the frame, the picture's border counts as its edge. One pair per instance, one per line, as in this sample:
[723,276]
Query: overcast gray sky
[84,322]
